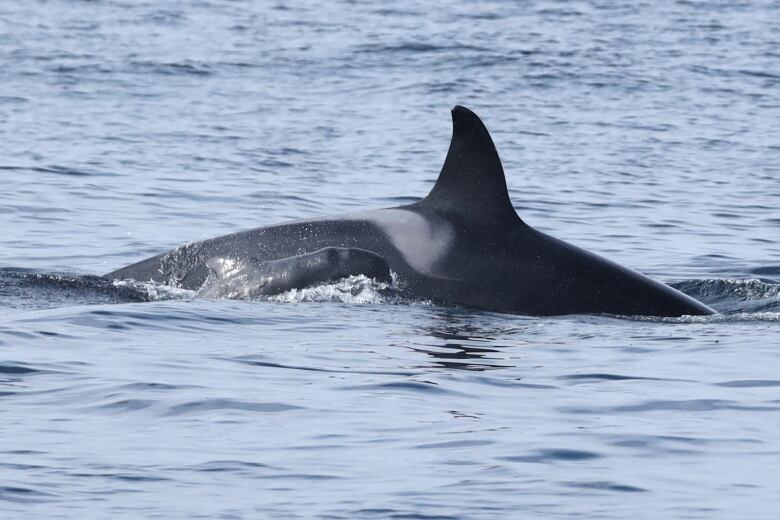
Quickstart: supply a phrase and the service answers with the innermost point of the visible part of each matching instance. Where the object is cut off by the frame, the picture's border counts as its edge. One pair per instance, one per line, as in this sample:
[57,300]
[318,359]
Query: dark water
[646,132]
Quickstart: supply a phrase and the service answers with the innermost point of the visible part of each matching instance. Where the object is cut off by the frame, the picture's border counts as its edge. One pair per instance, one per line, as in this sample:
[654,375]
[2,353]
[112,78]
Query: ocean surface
[647,132]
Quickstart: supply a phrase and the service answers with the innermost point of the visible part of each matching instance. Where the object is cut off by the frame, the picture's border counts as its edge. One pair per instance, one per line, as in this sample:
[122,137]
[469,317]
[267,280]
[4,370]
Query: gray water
[647,132]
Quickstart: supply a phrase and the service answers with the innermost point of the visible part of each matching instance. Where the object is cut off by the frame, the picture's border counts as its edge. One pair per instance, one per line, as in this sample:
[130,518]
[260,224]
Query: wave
[734,299]
[735,296]
[752,299]
[24,289]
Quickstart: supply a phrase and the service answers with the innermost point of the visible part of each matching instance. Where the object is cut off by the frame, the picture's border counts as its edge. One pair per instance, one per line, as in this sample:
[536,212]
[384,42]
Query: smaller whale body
[463,244]
[234,280]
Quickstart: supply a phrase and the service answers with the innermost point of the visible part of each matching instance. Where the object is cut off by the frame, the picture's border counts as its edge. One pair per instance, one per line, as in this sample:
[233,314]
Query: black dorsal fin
[472,180]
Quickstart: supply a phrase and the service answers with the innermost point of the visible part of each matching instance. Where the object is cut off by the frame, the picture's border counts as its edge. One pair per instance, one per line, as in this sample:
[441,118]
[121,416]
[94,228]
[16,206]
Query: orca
[463,244]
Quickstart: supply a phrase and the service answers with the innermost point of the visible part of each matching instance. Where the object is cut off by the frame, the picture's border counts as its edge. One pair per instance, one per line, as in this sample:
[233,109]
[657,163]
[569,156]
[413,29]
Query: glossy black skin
[463,244]
[258,278]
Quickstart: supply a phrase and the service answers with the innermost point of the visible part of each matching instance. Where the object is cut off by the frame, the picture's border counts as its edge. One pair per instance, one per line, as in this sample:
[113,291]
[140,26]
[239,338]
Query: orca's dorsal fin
[472,179]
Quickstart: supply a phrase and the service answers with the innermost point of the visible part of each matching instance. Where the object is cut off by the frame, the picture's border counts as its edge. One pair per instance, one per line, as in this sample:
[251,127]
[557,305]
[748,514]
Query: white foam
[743,289]
[355,289]
[714,318]
[156,291]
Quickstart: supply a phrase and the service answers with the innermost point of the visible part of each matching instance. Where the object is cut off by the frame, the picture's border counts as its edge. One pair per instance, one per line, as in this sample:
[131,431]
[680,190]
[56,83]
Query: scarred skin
[463,244]
[236,280]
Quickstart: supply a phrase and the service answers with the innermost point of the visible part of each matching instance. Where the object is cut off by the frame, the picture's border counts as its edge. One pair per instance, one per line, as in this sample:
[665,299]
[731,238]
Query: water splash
[715,318]
[354,289]
[735,296]
[153,291]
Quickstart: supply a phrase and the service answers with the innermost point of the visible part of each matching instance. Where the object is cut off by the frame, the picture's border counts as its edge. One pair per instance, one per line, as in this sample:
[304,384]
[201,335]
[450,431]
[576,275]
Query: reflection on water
[459,342]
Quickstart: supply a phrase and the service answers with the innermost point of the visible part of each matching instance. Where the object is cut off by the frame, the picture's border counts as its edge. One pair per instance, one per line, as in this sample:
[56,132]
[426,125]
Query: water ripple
[210,405]
[554,455]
